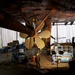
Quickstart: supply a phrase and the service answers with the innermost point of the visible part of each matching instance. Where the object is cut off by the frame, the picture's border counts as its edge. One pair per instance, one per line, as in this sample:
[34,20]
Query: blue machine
[64,53]
[19,55]
[66,57]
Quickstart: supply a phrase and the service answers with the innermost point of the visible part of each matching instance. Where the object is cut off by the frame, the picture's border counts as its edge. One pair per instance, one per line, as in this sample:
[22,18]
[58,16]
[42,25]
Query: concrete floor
[9,68]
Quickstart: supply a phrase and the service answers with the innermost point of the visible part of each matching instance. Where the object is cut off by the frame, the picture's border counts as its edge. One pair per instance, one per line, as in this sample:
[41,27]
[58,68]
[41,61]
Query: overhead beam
[66,23]
[9,22]
[50,12]
[71,22]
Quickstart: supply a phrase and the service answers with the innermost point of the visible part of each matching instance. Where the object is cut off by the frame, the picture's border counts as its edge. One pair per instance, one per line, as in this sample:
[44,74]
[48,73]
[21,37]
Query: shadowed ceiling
[27,10]
[64,9]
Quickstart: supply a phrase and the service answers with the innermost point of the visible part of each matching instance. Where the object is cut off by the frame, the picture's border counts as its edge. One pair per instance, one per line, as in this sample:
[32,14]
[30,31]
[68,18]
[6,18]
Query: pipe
[9,22]
[50,12]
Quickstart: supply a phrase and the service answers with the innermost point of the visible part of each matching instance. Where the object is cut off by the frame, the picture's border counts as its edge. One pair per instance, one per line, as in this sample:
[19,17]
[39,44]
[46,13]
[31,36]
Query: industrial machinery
[63,53]
[19,55]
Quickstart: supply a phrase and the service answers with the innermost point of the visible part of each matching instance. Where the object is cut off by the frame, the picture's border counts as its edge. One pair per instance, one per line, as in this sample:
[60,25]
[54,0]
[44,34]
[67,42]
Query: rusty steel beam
[9,22]
[50,12]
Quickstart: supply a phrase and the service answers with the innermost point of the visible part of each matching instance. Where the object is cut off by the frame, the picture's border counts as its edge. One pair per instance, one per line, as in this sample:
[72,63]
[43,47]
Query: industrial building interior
[32,31]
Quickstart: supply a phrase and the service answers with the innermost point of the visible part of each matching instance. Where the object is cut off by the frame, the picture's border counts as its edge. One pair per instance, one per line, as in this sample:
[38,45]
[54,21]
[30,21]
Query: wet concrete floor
[9,68]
